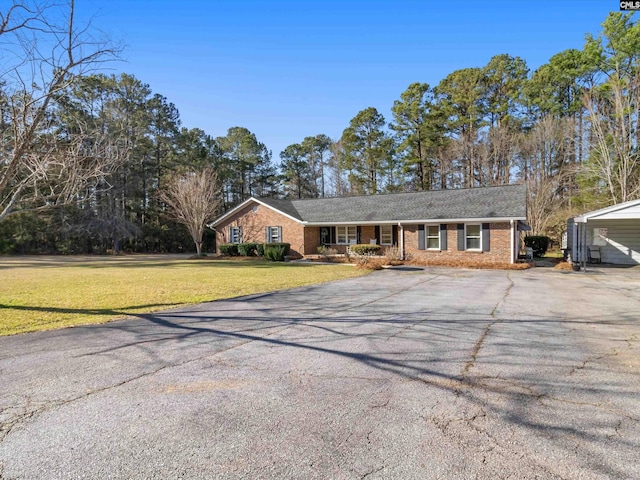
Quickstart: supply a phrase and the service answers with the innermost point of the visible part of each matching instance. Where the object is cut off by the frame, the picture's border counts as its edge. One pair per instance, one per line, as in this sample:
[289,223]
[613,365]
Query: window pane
[433,237]
[473,243]
[473,231]
[346,233]
[473,237]
[352,234]
[236,235]
[273,235]
[386,234]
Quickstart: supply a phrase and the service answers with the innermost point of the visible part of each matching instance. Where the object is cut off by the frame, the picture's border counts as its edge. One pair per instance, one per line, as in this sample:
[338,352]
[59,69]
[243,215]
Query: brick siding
[254,224]
[499,240]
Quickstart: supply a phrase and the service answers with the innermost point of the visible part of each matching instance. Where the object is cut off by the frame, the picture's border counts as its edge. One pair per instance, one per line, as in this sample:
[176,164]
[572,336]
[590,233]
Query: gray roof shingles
[507,201]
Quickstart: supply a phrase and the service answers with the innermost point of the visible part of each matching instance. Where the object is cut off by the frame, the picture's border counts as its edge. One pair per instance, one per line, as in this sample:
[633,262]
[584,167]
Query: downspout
[513,243]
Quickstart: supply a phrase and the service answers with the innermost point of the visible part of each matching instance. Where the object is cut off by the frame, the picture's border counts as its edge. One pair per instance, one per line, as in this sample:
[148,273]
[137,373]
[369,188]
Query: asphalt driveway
[404,374]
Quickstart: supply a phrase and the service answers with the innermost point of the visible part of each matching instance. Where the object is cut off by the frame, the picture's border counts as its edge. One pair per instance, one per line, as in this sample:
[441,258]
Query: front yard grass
[43,293]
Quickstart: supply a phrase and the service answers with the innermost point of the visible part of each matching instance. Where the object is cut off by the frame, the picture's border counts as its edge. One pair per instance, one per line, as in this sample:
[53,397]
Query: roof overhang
[237,208]
[418,221]
[605,213]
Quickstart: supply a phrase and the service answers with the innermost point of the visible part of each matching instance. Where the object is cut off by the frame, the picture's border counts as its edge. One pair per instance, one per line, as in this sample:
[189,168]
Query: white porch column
[513,244]
[401,239]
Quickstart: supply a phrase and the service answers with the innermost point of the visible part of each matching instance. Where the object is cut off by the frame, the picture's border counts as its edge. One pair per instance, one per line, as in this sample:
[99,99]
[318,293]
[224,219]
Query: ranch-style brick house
[479,224]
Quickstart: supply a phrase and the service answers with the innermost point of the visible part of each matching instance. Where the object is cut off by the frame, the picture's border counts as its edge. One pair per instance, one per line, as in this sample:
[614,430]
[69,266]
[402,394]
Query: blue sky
[289,69]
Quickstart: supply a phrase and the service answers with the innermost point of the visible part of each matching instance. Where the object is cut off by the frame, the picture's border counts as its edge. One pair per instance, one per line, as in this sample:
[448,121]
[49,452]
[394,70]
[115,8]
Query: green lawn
[42,293]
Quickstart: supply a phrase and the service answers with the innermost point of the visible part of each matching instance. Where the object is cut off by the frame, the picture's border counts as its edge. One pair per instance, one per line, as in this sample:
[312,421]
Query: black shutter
[334,236]
[485,237]
[443,236]
[266,234]
[358,233]
[377,234]
[394,234]
[461,241]
[280,234]
[420,237]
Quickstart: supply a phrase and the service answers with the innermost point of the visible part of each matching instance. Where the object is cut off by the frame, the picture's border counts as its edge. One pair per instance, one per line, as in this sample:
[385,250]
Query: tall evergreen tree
[316,150]
[297,173]
[247,168]
[419,127]
[459,97]
[367,150]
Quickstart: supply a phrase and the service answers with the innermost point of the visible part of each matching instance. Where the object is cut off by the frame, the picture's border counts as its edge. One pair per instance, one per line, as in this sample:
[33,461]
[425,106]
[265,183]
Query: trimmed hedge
[230,249]
[365,249]
[539,243]
[248,249]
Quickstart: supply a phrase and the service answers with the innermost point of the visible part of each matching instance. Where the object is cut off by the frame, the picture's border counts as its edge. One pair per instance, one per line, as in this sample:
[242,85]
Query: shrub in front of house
[393,254]
[248,249]
[286,246]
[260,249]
[229,249]
[539,243]
[327,251]
[365,249]
[274,252]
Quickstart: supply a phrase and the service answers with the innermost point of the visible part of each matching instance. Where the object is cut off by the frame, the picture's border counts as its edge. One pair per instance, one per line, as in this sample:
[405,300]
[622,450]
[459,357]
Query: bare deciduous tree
[544,167]
[193,198]
[42,52]
[545,200]
[615,158]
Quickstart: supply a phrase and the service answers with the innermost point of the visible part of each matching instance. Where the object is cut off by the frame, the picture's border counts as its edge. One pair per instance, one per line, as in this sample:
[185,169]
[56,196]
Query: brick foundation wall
[254,223]
[500,245]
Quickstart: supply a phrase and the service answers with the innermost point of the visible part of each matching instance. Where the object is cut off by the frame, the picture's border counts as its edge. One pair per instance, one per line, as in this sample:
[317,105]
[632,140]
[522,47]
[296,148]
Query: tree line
[87,158]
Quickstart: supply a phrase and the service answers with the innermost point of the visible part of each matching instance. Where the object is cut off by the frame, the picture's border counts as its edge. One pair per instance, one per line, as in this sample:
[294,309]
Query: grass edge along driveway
[44,293]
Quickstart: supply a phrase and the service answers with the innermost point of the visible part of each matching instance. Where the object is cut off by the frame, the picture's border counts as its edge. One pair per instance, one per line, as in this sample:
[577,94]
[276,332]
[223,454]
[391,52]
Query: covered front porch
[340,237]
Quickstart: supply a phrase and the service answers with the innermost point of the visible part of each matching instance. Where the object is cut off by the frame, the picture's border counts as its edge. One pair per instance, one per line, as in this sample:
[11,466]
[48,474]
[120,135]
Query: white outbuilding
[609,235]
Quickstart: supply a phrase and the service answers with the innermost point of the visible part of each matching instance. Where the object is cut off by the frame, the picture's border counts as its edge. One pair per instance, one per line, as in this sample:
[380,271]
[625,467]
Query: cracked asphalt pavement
[404,373]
